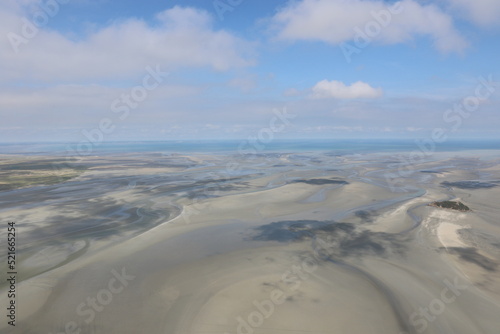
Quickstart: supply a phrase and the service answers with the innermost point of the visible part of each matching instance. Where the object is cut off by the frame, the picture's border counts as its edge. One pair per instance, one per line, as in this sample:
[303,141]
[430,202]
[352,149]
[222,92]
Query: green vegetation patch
[453,205]
[24,174]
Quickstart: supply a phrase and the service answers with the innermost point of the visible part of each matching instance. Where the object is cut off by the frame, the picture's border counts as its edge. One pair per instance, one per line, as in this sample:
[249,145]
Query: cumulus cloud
[481,12]
[180,37]
[339,90]
[338,21]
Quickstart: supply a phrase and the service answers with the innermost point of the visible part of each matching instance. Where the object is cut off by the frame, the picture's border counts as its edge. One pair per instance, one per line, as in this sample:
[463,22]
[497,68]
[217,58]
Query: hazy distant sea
[245,146]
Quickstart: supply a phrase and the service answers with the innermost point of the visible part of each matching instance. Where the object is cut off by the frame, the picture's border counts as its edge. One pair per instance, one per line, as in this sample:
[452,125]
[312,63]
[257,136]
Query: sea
[334,146]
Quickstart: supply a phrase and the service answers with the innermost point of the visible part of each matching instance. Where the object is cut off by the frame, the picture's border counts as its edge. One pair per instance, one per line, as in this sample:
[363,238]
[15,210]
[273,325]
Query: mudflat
[272,243]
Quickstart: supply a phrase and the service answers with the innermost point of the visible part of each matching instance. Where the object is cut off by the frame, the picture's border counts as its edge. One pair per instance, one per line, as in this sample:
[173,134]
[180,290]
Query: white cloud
[292,92]
[181,37]
[481,12]
[245,84]
[338,90]
[85,105]
[338,21]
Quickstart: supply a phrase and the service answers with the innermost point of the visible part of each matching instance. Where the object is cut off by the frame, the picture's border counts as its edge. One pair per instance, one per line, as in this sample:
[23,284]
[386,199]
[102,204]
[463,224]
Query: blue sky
[342,68]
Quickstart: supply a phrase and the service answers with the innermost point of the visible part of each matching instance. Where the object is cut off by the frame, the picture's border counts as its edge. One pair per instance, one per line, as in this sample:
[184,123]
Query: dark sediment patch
[482,241]
[469,184]
[341,239]
[204,188]
[365,216]
[319,182]
[287,231]
[363,242]
[471,255]
[38,165]
[211,191]
[104,219]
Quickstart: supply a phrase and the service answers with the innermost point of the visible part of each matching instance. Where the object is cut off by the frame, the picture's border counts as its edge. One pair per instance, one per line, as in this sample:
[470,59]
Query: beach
[306,242]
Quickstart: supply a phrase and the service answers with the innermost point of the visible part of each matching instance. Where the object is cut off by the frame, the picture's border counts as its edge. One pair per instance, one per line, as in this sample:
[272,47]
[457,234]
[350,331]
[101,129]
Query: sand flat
[350,257]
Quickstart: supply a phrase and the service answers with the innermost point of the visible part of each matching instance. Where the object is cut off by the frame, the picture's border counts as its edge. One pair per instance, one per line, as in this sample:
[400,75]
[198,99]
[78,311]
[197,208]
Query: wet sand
[277,243]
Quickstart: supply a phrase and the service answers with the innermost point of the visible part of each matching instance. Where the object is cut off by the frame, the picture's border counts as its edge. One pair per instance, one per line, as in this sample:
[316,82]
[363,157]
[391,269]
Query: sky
[98,70]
